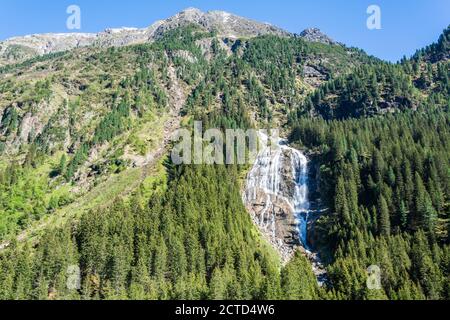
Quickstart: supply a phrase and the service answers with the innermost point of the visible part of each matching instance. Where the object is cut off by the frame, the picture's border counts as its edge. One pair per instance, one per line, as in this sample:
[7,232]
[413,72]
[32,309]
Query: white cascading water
[267,177]
[279,178]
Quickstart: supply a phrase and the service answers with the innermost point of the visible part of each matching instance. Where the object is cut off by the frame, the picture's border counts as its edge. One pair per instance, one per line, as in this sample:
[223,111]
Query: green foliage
[298,281]
[10,121]
[113,124]
[386,182]
[22,199]
[438,51]
[194,242]
[369,90]
[384,178]
[30,62]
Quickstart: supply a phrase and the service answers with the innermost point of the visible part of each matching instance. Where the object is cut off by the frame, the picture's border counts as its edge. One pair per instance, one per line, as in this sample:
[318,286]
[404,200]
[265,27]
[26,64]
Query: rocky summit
[315,35]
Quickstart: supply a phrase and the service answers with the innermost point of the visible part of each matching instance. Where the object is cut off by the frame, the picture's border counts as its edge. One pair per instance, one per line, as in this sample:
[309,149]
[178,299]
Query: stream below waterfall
[276,194]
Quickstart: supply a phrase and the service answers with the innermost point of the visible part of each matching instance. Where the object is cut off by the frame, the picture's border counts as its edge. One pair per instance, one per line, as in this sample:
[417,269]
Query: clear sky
[407,25]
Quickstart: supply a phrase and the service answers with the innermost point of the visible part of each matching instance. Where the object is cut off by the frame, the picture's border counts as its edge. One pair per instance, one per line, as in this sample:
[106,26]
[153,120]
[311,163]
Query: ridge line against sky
[406,25]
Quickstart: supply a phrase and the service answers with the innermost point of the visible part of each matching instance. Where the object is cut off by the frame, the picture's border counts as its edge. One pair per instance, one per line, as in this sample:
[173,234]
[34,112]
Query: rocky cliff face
[226,25]
[315,35]
[276,197]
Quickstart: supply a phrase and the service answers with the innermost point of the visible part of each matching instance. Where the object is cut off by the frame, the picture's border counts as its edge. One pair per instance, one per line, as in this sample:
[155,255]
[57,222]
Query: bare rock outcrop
[315,35]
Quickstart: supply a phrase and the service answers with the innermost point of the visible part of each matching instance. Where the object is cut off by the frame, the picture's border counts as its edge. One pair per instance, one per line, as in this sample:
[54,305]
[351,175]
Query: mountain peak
[191,11]
[189,14]
[224,23]
[316,35]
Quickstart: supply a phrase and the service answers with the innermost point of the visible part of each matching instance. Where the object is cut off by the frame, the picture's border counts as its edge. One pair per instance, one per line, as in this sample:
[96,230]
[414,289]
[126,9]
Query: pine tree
[62,165]
[384,223]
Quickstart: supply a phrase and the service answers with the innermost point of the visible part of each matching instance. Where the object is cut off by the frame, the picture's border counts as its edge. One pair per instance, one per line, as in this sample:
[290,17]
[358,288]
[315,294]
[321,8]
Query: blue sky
[407,25]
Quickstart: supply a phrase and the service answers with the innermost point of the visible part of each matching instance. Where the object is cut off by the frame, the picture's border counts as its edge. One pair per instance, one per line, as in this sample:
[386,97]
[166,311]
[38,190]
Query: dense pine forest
[76,193]
[387,182]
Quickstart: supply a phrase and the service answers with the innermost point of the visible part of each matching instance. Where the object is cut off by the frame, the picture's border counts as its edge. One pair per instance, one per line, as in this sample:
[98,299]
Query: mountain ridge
[226,25]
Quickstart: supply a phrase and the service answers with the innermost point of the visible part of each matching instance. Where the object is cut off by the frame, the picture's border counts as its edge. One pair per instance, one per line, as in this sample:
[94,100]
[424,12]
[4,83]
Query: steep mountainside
[84,178]
[436,52]
[93,115]
[380,88]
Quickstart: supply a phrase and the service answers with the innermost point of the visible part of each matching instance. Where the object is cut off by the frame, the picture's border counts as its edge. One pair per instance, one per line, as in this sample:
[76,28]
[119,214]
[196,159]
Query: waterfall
[277,197]
[299,165]
[276,163]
